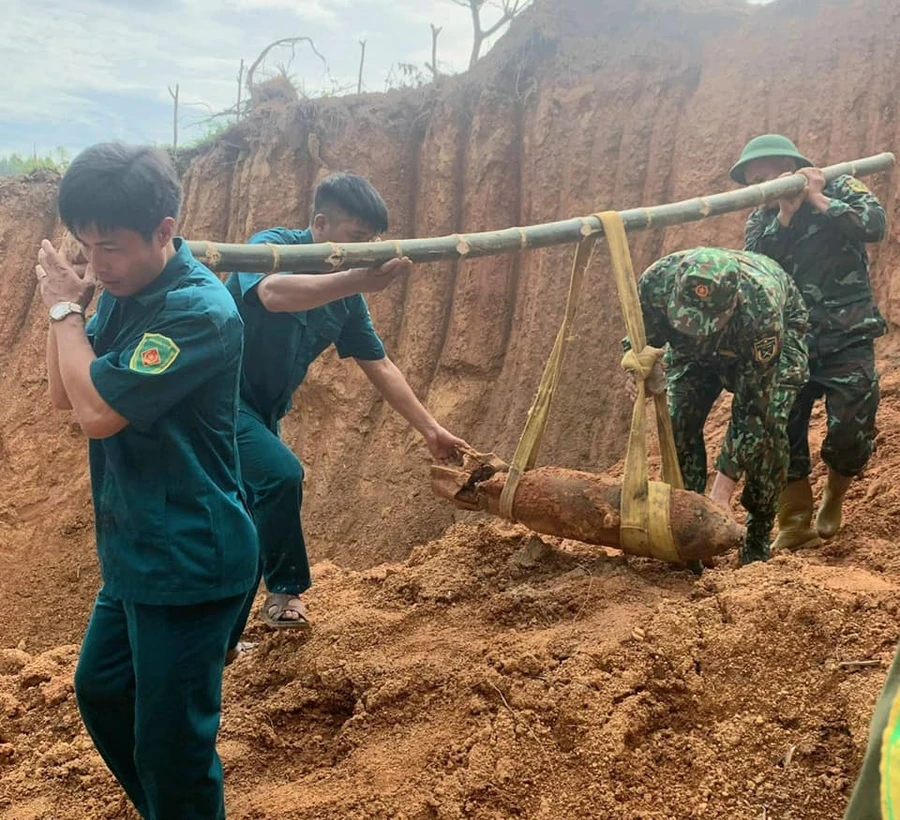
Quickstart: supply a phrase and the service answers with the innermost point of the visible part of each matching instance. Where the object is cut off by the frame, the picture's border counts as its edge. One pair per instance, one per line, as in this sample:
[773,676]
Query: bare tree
[292,42]
[362,60]
[433,65]
[508,10]
[174,95]
[240,79]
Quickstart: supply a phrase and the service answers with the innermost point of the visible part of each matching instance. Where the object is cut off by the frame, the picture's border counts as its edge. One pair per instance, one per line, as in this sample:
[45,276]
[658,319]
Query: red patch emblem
[702,291]
[150,357]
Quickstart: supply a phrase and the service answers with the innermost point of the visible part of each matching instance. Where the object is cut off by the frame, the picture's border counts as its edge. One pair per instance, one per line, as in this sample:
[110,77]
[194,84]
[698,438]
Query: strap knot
[642,364]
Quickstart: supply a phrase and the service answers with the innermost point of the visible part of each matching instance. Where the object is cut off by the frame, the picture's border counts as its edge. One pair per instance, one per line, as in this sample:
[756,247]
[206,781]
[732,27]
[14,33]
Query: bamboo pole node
[336,257]
[211,257]
[705,207]
[587,227]
[462,246]
[761,194]
[523,239]
[276,258]
[398,248]
[648,215]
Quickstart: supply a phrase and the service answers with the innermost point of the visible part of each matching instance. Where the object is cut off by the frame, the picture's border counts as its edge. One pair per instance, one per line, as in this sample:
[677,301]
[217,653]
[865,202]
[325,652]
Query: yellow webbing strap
[645,524]
[530,440]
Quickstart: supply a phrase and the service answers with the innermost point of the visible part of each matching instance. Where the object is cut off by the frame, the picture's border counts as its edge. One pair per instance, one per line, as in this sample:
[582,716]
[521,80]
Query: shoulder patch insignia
[765,349]
[154,354]
[856,186]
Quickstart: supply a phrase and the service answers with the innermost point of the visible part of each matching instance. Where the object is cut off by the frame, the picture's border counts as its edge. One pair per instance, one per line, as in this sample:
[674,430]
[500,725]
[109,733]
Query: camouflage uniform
[877,778]
[825,255]
[733,321]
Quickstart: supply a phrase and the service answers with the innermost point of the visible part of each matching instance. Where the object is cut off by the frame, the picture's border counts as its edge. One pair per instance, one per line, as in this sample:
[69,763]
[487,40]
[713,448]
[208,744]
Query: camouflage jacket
[766,330]
[759,355]
[825,254]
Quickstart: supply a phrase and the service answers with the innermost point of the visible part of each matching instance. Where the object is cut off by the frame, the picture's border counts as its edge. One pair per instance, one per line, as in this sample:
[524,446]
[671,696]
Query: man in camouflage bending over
[819,237]
[734,321]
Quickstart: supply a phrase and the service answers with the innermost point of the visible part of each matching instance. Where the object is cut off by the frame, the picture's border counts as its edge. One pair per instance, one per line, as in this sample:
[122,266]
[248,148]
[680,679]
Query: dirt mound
[494,674]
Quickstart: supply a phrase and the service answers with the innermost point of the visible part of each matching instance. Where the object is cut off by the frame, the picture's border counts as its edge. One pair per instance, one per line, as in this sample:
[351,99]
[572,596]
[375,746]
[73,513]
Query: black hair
[355,196]
[111,185]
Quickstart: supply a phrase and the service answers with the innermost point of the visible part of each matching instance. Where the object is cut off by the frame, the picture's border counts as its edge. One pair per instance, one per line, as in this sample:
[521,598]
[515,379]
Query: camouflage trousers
[692,389]
[848,381]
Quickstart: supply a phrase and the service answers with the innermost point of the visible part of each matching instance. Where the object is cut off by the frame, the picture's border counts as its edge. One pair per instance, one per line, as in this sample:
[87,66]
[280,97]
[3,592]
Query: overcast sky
[74,72]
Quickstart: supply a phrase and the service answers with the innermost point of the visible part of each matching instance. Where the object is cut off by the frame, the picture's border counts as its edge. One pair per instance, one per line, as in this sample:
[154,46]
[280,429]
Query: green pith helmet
[768,145]
[706,290]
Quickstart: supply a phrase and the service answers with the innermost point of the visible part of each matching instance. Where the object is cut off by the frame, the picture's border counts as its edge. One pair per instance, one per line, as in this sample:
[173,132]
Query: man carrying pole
[289,320]
[819,238]
[734,321]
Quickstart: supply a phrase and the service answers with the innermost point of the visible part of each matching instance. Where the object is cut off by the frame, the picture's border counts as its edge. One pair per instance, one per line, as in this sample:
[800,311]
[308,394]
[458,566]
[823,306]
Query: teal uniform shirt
[279,347]
[171,520]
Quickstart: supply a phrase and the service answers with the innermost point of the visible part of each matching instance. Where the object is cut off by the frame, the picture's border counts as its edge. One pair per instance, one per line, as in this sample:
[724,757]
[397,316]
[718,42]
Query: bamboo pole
[328,257]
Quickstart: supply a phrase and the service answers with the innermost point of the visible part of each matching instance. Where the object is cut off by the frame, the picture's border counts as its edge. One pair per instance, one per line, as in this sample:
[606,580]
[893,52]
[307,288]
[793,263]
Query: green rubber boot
[828,521]
[755,546]
[795,512]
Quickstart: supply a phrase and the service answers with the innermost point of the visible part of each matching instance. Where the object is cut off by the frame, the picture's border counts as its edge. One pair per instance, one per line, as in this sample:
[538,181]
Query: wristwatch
[62,309]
